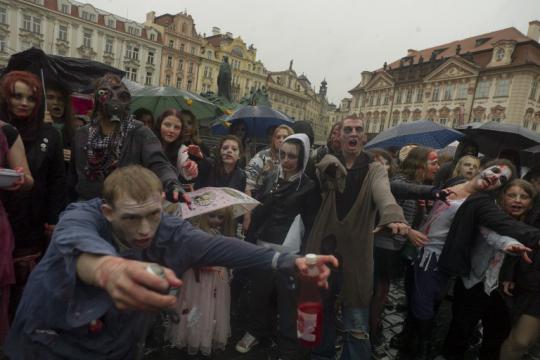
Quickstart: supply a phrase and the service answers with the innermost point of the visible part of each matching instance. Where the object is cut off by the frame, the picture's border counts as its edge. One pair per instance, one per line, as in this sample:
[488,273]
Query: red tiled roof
[473,44]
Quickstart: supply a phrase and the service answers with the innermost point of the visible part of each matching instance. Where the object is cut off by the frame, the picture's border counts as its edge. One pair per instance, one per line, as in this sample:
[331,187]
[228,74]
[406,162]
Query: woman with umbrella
[32,214]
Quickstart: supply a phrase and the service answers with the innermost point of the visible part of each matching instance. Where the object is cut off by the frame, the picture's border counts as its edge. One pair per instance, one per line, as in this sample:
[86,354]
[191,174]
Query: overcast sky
[338,39]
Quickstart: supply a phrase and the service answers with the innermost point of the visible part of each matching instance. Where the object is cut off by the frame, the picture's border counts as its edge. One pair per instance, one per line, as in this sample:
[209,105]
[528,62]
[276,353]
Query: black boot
[424,329]
[403,339]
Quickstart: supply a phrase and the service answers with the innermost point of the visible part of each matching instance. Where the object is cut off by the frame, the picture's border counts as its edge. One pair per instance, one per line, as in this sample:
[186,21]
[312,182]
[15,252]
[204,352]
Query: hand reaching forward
[132,287]
[324,271]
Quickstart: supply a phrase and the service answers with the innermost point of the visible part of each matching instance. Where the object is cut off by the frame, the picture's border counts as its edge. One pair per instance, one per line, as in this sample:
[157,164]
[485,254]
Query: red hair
[7,87]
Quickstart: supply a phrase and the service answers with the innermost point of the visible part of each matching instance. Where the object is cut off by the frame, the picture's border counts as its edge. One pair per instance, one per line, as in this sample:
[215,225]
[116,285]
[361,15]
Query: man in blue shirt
[90,295]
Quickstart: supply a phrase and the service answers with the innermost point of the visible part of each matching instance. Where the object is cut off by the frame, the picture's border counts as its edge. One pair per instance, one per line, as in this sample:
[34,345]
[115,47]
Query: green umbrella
[159,99]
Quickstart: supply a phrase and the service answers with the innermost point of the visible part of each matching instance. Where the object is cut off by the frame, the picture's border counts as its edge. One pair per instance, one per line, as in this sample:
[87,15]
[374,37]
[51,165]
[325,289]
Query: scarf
[103,151]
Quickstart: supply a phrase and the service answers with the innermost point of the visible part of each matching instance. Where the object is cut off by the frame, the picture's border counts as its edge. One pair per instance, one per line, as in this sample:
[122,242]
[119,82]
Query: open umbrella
[492,136]
[158,99]
[256,118]
[210,199]
[75,75]
[420,132]
[531,156]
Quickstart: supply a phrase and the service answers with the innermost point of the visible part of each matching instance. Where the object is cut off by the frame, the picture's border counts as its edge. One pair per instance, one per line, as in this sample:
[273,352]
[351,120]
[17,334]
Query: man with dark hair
[90,296]
[354,190]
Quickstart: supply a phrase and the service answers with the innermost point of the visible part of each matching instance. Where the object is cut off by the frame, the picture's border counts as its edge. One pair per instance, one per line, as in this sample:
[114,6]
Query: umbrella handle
[43,86]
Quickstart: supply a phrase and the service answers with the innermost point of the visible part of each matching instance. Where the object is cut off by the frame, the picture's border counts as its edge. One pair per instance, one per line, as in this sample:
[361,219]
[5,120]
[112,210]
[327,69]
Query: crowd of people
[87,217]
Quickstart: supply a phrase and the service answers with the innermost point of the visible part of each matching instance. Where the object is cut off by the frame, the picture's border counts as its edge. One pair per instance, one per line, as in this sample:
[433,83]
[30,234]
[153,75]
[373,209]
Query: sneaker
[246,343]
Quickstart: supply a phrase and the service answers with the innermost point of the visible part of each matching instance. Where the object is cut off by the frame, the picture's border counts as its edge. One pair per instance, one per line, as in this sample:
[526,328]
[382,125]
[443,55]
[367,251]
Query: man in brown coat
[354,190]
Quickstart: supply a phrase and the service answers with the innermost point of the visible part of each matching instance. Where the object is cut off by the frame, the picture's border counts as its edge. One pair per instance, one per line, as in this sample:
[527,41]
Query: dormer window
[88,16]
[481,41]
[134,31]
[65,8]
[499,54]
[111,23]
[153,37]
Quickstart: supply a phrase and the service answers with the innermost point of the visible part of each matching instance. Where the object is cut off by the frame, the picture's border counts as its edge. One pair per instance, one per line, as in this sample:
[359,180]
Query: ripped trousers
[356,344]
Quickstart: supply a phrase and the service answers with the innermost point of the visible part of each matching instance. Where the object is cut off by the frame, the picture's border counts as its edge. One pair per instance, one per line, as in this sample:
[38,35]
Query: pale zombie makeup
[432,165]
[468,168]
[516,202]
[230,152]
[351,136]
[23,100]
[170,130]
[135,223]
[216,220]
[493,177]
[288,157]
[55,104]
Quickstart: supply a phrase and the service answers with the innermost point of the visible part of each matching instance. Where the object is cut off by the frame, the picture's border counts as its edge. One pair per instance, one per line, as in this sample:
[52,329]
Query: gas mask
[494,176]
[113,98]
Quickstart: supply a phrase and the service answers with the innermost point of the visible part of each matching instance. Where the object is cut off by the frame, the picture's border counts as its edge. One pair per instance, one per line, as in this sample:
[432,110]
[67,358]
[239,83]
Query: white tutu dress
[204,310]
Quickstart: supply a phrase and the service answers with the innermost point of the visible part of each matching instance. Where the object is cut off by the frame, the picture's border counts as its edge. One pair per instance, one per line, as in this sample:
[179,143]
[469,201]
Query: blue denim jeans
[356,344]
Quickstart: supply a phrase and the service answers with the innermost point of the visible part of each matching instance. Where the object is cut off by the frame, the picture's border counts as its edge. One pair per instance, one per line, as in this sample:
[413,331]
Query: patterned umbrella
[210,199]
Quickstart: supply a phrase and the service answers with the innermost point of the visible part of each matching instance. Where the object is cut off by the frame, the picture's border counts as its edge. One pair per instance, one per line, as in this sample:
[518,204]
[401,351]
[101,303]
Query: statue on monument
[224,79]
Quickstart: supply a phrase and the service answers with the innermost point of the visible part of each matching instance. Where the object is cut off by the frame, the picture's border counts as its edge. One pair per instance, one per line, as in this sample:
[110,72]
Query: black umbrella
[492,137]
[75,75]
[531,156]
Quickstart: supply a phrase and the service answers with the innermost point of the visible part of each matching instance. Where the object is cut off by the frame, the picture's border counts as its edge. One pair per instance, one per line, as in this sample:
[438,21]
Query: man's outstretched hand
[131,286]
[324,271]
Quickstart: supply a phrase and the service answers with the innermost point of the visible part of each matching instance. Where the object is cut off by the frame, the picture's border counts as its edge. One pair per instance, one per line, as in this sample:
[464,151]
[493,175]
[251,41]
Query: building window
[180,65]
[131,73]
[378,102]
[148,79]
[443,121]
[3,15]
[419,95]
[189,85]
[435,95]
[532,94]
[190,69]
[65,8]
[408,97]
[132,52]
[135,53]
[193,50]
[499,54]
[448,92]
[3,45]
[461,92]
[152,37]
[109,43]
[150,59]
[62,32]
[36,25]
[395,118]
[181,47]
[209,54]
[398,97]
[27,22]
[169,61]
[171,44]
[168,80]
[205,73]
[87,38]
[482,91]
[179,82]
[385,100]
[88,16]
[503,87]
[134,31]
[111,23]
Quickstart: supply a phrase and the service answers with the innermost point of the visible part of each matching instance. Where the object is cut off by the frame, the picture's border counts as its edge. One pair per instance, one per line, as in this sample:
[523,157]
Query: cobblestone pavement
[392,324]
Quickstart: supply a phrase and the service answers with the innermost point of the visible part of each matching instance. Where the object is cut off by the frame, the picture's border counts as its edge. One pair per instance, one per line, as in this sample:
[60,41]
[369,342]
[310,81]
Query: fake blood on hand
[310,309]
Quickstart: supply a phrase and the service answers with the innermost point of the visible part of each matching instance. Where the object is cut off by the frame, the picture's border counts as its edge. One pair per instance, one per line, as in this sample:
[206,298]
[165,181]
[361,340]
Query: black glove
[440,194]
[182,195]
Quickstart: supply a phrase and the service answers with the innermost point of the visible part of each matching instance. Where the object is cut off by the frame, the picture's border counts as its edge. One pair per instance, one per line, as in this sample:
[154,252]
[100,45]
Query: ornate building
[492,76]
[180,61]
[248,73]
[294,96]
[70,28]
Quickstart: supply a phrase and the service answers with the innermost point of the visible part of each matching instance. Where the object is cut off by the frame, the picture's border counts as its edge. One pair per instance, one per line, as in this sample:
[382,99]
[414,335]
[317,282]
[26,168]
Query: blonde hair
[229,224]
[462,160]
[132,181]
[287,128]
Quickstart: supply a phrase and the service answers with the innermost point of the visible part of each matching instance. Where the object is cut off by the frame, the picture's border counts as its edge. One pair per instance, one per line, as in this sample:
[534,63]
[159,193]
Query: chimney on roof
[534,30]
[229,35]
[216,30]
[150,17]
[411,52]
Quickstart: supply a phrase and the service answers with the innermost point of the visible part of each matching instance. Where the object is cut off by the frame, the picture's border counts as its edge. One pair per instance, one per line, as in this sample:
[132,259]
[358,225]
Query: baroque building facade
[294,96]
[493,76]
[70,28]
[247,72]
[180,60]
